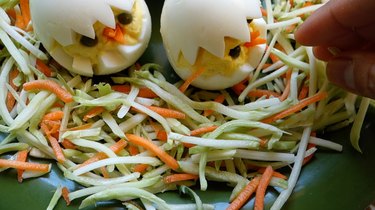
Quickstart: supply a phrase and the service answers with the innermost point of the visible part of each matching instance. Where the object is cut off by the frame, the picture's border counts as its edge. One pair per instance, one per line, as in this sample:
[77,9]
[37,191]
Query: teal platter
[332,180]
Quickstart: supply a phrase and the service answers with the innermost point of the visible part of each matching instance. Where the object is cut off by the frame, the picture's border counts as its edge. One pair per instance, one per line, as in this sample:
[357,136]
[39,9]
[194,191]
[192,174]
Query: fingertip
[340,72]
[306,33]
[353,71]
[323,53]
[301,35]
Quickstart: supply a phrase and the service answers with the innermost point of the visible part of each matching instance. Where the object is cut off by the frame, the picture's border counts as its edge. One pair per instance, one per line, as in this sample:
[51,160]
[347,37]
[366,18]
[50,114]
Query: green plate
[331,180]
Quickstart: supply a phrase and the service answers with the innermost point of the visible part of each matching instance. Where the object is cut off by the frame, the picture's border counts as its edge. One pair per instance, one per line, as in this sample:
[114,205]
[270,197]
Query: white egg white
[59,24]
[190,26]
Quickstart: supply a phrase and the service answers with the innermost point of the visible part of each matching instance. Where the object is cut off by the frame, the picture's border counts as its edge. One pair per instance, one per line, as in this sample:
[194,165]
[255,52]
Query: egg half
[80,34]
[214,35]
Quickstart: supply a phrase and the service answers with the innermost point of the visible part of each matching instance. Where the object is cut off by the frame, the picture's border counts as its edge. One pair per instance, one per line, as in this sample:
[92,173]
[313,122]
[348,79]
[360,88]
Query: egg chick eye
[125,18]
[88,42]
[235,52]
[249,21]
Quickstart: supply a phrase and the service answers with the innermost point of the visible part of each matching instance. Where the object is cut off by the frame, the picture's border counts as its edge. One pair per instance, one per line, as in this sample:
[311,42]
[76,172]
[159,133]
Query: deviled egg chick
[92,37]
[225,37]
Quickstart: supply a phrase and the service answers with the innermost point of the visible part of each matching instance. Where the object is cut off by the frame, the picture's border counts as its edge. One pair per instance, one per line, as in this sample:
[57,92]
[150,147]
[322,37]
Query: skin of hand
[343,34]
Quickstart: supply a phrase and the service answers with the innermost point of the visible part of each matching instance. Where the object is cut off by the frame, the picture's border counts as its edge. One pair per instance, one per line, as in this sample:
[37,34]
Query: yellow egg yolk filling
[131,33]
[214,65]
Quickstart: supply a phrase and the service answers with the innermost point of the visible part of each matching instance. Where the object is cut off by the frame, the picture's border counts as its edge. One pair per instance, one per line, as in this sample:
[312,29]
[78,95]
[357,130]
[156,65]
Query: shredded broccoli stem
[285,194]
[55,198]
[220,141]
[123,192]
[358,121]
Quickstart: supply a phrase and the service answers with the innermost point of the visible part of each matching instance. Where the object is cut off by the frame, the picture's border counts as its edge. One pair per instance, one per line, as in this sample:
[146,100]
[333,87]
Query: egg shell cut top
[188,25]
[199,34]
[58,24]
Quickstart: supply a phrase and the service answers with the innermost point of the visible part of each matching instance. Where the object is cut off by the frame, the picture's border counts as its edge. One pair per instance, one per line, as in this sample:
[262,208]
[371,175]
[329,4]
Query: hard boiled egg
[80,34]
[214,35]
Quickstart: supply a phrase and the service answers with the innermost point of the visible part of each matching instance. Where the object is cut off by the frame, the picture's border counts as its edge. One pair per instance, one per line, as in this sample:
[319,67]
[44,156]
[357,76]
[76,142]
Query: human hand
[343,34]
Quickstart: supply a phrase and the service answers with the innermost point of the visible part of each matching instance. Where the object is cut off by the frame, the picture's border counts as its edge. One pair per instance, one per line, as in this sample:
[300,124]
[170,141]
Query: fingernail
[334,50]
[340,71]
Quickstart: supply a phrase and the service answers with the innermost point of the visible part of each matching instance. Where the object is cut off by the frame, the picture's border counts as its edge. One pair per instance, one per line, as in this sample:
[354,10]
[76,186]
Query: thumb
[354,71]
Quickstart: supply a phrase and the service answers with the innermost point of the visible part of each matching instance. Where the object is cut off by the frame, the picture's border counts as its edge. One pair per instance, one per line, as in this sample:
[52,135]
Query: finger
[340,23]
[354,71]
[323,53]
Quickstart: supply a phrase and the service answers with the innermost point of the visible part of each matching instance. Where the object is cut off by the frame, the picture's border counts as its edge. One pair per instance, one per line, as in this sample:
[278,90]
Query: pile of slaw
[240,142]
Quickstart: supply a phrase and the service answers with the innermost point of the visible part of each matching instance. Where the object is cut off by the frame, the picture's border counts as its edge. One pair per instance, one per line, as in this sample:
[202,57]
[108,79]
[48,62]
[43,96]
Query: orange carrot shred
[58,104]
[41,66]
[121,88]
[144,92]
[80,127]
[191,78]
[51,86]
[264,12]
[179,177]
[302,104]
[109,32]
[98,156]
[53,116]
[133,150]
[141,168]
[303,92]
[279,47]
[254,34]
[219,99]
[50,127]
[68,144]
[168,113]
[261,189]
[119,35]
[290,29]
[274,174]
[116,34]
[238,88]
[25,10]
[307,3]
[65,194]
[11,101]
[56,149]
[45,128]
[104,172]
[291,2]
[19,21]
[27,166]
[263,142]
[162,135]
[165,157]
[93,112]
[255,39]
[12,75]
[255,42]
[116,148]
[21,156]
[308,158]
[11,13]
[260,93]
[202,130]
[287,87]
[274,58]
[266,65]
[245,194]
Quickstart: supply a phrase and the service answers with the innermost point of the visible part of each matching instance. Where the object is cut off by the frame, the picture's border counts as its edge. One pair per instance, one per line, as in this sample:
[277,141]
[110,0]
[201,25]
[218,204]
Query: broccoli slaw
[121,140]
